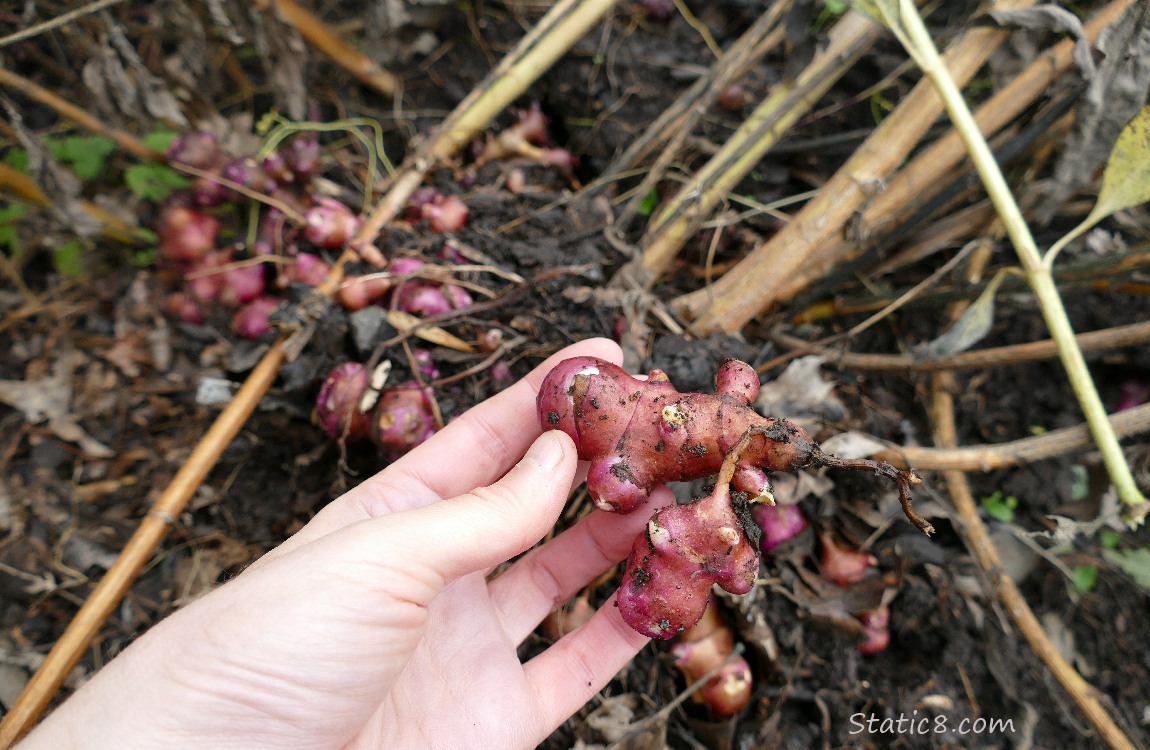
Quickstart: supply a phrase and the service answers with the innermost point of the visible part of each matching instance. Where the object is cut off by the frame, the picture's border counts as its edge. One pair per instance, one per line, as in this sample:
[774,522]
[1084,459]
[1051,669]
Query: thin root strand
[902,479]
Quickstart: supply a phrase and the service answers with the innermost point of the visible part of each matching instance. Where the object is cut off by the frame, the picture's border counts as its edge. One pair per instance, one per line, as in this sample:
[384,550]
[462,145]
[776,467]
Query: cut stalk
[926,176]
[753,286]
[697,199]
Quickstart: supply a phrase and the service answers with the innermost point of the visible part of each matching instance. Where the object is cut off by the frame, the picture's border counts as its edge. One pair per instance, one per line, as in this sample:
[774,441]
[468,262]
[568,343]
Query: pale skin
[377,625]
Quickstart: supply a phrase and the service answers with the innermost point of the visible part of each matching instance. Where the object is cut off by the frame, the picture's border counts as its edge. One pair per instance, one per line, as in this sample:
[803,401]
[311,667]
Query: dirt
[954,656]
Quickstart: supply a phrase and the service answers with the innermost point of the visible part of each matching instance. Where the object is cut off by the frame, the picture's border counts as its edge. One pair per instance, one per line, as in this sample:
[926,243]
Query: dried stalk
[1016,452]
[925,176]
[738,297]
[24,188]
[677,122]
[977,540]
[680,218]
[555,34]
[1135,334]
[319,35]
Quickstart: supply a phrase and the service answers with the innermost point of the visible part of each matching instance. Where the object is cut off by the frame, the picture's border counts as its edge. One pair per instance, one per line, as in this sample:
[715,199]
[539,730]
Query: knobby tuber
[707,645]
[400,419]
[684,551]
[640,434]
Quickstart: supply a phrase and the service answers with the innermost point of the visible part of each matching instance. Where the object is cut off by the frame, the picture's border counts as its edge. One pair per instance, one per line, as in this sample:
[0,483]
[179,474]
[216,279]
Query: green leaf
[160,139]
[88,154]
[69,258]
[1133,562]
[1085,578]
[9,237]
[836,7]
[1080,483]
[1108,538]
[17,158]
[1000,507]
[153,182]
[144,258]
[1126,181]
[650,200]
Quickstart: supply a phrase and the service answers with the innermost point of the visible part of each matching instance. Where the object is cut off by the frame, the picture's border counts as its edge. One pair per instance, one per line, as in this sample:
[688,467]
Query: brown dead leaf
[49,399]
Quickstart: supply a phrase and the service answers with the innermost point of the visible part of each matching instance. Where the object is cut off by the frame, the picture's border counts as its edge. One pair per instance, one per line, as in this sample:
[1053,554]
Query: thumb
[488,525]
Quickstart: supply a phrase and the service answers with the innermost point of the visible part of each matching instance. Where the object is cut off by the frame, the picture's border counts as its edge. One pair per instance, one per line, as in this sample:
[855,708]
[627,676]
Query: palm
[464,680]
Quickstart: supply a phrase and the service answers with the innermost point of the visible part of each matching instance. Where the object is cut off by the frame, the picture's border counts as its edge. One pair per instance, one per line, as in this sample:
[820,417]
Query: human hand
[375,626]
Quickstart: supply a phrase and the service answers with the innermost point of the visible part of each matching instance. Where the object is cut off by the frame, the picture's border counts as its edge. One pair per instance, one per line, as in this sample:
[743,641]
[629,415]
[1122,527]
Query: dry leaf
[970,328]
[404,322]
[1115,93]
[48,399]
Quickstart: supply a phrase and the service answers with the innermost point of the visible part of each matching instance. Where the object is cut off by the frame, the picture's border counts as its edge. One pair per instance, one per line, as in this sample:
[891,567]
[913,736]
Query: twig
[917,40]
[978,542]
[1135,334]
[60,20]
[319,35]
[1016,452]
[24,188]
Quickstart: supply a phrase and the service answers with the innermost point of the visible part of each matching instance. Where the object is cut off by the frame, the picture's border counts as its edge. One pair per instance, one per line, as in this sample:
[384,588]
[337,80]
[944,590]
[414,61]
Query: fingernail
[546,451]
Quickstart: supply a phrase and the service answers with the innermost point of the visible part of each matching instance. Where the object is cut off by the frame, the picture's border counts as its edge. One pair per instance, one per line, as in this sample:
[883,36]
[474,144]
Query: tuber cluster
[705,647]
[639,434]
[202,238]
[397,421]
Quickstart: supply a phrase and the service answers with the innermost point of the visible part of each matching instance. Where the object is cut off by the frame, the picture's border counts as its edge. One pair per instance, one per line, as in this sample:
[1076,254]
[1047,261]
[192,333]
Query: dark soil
[955,656]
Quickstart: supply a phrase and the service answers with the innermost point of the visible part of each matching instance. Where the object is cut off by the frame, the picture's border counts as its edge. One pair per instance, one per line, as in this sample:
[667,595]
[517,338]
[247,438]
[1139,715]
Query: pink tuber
[707,645]
[779,524]
[876,625]
[186,235]
[330,224]
[254,320]
[337,406]
[446,214]
[842,566]
[402,419]
[686,549]
[638,435]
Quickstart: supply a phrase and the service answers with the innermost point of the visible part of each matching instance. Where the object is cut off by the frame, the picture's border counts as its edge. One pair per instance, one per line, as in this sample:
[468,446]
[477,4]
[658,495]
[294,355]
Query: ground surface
[130,376]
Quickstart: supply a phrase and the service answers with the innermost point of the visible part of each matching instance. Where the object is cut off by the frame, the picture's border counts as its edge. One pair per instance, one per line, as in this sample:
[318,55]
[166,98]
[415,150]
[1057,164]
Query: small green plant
[153,182]
[1084,578]
[9,238]
[69,258]
[1000,507]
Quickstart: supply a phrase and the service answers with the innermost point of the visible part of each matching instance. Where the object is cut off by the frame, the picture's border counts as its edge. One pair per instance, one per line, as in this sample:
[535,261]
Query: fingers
[570,673]
[472,451]
[440,542]
[549,576]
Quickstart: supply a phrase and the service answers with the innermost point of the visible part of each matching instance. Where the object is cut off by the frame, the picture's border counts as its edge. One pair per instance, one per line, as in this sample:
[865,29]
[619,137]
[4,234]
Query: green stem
[921,47]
